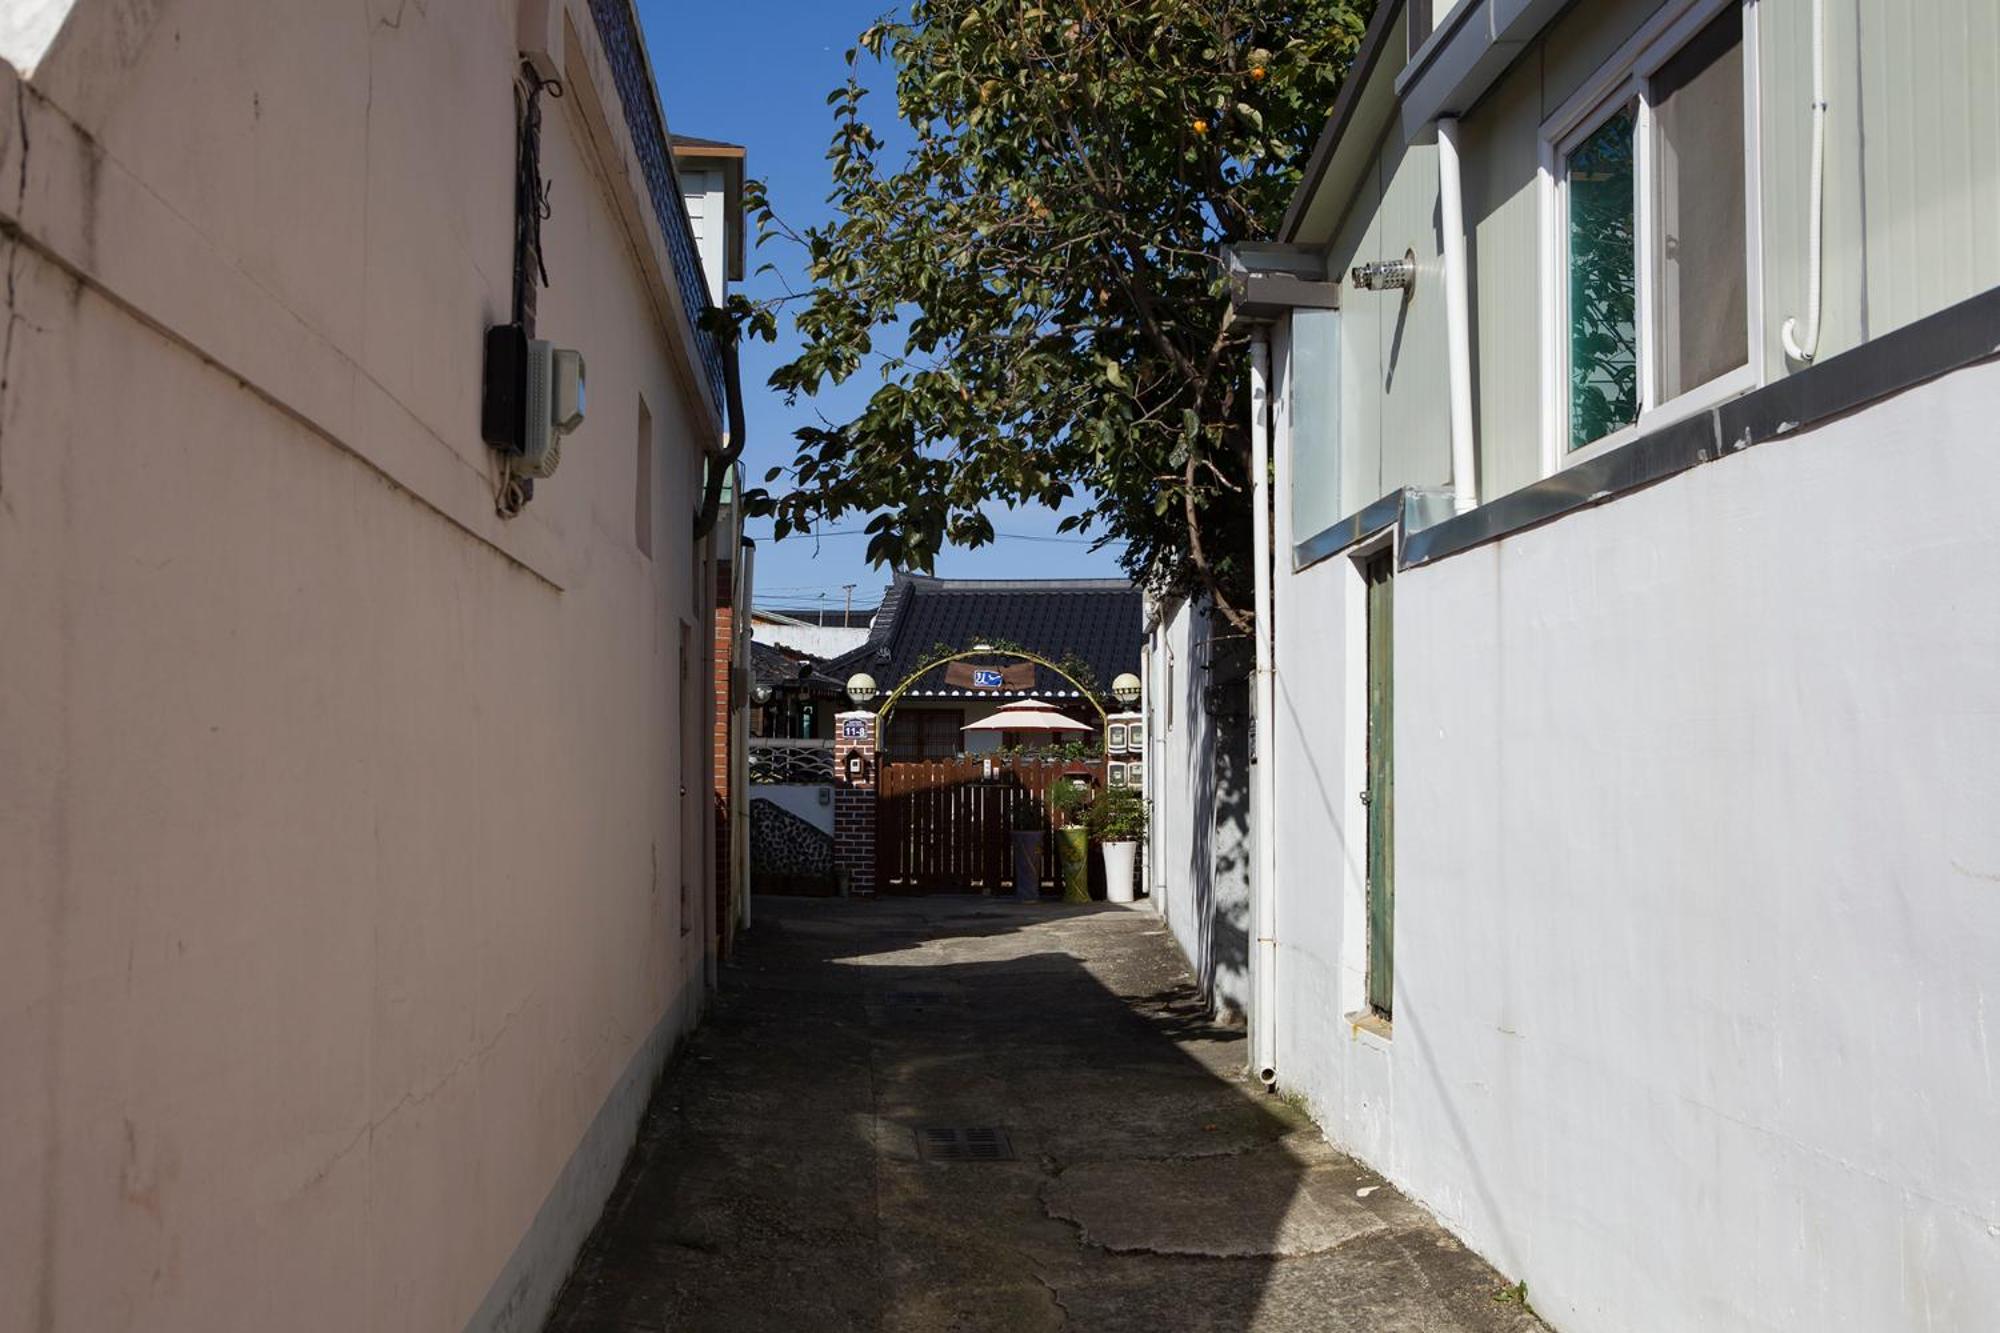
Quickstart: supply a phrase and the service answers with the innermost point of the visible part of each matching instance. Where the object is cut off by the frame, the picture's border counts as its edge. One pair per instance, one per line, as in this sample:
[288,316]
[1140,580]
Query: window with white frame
[1651,170]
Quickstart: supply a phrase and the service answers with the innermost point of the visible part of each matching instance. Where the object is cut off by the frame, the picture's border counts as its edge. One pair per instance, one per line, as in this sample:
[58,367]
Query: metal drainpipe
[1156,758]
[739,781]
[1803,348]
[732,444]
[1457,320]
[1146,788]
[1264,886]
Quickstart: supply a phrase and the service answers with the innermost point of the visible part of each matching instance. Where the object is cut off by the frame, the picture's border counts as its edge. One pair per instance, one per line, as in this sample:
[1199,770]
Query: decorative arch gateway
[895,695]
[944,825]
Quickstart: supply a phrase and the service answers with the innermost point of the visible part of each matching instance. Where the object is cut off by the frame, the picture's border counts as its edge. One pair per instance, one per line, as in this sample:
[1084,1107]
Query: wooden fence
[944,825]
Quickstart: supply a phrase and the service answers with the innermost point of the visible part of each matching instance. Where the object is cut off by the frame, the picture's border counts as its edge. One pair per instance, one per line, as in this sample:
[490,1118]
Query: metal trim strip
[1955,337]
[1352,530]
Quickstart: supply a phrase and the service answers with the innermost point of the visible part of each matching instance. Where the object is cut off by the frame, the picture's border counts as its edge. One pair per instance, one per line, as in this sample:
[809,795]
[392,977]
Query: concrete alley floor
[787,1177]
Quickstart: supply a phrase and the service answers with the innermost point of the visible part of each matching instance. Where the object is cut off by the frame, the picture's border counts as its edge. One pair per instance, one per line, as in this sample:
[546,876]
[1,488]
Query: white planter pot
[1119,859]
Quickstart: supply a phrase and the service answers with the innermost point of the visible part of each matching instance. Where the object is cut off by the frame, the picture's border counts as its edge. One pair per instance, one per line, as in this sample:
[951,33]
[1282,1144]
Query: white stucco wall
[340,836]
[1696,918]
[1207,912]
[1171,761]
[812,802]
[821,641]
[1318,743]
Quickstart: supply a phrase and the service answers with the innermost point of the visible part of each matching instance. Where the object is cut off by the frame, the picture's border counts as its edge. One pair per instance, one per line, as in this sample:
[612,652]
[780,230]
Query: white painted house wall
[820,641]
[1697,926]
[810,801]
[1317,741]
[1171,772]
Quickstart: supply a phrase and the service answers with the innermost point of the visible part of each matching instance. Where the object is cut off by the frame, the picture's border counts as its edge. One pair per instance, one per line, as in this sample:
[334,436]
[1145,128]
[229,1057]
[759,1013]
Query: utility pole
[847,611]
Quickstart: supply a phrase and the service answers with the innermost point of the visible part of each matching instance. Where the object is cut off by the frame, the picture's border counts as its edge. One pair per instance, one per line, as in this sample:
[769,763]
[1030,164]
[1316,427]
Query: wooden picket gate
[943,825]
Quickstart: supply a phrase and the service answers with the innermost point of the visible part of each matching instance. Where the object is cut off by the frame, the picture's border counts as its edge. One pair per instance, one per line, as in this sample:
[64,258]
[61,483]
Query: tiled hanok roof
[1099,622]
[782,669]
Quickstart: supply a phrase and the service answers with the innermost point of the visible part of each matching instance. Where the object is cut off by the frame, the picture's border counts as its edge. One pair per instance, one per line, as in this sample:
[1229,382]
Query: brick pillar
[854,801]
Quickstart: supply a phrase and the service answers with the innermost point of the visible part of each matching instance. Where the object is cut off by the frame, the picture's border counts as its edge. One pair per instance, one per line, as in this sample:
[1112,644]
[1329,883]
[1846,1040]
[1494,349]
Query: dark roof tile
[1099,622]
[773,666]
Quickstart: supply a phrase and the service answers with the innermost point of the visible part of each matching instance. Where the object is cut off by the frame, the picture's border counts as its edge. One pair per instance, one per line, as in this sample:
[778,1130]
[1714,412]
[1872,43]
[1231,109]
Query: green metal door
[1381,791]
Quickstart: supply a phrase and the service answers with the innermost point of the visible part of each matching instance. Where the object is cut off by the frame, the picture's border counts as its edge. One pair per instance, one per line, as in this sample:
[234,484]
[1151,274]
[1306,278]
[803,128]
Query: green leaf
[1035,280]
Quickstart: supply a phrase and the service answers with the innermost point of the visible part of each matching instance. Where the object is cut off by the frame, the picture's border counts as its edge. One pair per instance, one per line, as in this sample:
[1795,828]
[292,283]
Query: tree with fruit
[1037,277]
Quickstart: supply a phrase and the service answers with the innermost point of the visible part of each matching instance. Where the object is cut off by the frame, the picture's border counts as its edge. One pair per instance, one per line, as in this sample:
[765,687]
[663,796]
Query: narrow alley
[950,1113]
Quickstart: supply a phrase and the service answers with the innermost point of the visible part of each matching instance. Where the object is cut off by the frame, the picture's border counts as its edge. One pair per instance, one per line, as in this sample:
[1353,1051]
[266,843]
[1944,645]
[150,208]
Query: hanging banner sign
[966,676]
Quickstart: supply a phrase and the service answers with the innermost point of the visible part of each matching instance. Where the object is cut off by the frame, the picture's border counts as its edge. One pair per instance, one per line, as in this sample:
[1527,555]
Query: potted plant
[1118,821]
[1028,825]
[1068,800]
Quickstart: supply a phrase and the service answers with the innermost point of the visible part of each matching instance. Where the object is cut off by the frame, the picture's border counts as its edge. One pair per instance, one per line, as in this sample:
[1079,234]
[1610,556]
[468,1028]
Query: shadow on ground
[782,1179]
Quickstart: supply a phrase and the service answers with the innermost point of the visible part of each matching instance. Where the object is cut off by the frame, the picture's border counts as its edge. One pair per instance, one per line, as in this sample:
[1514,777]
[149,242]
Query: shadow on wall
[1220,849]
[792,1173]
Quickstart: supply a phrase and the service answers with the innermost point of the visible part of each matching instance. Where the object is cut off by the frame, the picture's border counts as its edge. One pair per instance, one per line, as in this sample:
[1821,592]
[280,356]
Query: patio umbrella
[1027,715]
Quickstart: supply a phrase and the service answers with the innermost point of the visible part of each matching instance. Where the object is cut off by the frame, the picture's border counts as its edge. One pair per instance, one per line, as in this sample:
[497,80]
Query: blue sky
[756,72]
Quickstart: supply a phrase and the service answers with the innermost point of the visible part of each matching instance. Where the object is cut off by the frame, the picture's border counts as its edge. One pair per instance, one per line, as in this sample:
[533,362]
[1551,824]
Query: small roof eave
[1467,53]
[1268,280]
[730,159]
[1365,106]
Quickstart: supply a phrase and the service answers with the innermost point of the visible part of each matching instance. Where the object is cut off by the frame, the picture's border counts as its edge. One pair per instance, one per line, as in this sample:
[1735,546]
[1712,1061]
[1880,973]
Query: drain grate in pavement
[948,1143]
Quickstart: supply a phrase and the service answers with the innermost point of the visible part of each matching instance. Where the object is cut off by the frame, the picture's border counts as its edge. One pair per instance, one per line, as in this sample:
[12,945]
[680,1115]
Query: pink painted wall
[341,828]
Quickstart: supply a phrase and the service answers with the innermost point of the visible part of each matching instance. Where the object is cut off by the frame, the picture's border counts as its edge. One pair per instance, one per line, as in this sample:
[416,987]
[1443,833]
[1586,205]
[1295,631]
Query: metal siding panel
[1981,48]
[1784,101]
[1576,46]
[1360,428]
[1502,157]
[1929,121]
[1414,383]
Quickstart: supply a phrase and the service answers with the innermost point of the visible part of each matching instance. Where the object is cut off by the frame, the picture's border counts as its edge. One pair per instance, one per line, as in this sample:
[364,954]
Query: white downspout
[1156,757]
[1263,893]
[1806,348]
[1457,320]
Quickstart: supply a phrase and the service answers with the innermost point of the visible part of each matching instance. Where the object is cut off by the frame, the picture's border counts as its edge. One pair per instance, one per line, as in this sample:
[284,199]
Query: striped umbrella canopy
[1027,715]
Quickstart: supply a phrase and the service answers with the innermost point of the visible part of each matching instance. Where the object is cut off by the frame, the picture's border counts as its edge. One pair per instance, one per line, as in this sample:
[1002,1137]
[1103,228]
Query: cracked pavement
[778,1183]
